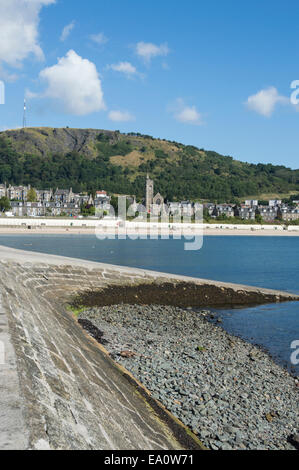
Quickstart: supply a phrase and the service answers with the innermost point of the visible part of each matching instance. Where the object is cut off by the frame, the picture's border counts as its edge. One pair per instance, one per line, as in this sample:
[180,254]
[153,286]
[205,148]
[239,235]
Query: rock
[230,430]
[224,446]
[127,354]
[294,440]
[270,416]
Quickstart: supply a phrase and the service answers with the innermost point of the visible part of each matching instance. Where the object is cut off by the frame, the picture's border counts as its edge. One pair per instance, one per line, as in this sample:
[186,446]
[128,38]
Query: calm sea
[271,262]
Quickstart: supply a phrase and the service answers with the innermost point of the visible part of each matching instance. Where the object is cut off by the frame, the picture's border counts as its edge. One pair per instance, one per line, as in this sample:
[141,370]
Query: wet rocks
[294,440]
[93,331]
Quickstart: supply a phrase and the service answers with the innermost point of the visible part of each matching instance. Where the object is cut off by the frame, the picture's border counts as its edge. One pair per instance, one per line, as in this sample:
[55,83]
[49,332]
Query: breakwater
[67,393]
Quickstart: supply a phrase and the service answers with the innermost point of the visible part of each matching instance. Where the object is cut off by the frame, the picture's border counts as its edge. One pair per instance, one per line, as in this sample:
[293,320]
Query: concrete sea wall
[59,390]
[60,222]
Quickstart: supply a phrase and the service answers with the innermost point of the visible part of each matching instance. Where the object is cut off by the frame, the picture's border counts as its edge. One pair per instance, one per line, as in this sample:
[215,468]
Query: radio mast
[24,115]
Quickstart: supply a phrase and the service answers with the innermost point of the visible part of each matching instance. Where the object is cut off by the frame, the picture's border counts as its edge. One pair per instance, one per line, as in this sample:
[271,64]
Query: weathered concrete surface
[68,394]
[13,433]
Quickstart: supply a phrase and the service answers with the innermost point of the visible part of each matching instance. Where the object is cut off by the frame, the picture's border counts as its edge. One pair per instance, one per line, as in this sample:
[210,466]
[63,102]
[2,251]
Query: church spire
[149,193]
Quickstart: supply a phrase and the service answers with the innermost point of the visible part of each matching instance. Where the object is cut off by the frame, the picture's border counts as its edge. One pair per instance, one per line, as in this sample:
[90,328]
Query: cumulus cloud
[31,94]
[67,31]
[187,114]
[147,50]
[124,67]
[100,39]
[74,84]
[120,116]
[264,102]
[19,21]
[6,76]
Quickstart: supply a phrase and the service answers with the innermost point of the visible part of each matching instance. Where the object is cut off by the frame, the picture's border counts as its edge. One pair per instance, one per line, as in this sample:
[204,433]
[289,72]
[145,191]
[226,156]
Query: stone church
[153,203]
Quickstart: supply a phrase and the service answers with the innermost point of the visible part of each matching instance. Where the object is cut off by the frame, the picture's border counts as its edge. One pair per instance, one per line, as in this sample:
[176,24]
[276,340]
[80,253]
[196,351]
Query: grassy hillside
[92,159]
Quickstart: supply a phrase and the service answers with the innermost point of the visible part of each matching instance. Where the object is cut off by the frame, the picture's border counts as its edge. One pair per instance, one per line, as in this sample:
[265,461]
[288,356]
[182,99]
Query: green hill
[89,159]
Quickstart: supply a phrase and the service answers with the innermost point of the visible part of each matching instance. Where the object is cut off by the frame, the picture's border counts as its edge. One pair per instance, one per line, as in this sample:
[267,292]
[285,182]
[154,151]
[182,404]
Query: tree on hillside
[4,204]
[180,172]
[31,195]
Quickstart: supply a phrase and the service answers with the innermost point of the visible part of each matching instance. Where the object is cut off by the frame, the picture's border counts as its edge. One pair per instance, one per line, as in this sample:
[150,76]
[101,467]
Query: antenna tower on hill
[24,115]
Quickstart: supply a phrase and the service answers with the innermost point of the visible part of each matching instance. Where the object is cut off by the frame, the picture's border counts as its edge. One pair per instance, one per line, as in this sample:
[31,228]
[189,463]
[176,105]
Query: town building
[268,213]
[63,209]
[62,202]
[27,209]
[246,212]
[44,195]
[64,195]
[17,193]
[252,203]
[275,203]
[157,207]
[149,194]
[289,214]
[3,190]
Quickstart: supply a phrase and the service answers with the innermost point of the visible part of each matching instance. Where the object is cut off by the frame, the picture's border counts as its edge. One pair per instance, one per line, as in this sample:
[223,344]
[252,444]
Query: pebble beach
[227,391]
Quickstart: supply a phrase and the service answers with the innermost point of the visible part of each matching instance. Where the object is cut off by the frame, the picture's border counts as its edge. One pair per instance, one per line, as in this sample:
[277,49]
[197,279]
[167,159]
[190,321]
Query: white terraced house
[3,190]
[17,193]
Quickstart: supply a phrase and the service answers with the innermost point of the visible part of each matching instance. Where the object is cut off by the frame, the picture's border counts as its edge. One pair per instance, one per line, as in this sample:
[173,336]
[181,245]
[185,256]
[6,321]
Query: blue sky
[213,74]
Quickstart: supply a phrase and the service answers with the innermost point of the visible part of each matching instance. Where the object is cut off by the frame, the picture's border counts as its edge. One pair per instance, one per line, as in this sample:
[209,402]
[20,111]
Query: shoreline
[151,232]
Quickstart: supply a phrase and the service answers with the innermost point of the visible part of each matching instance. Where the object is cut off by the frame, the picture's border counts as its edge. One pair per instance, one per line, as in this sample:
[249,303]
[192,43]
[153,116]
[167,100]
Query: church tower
[149,193]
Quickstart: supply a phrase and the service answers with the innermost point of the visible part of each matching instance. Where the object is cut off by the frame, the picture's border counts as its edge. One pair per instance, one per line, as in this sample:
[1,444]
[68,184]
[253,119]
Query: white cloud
[67,31]
[147,51]
[30,94]
[19,20]
[187,114]
[99,38]
[265,101]
[6,76]
[121,116]
[124,67]
[74,84]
